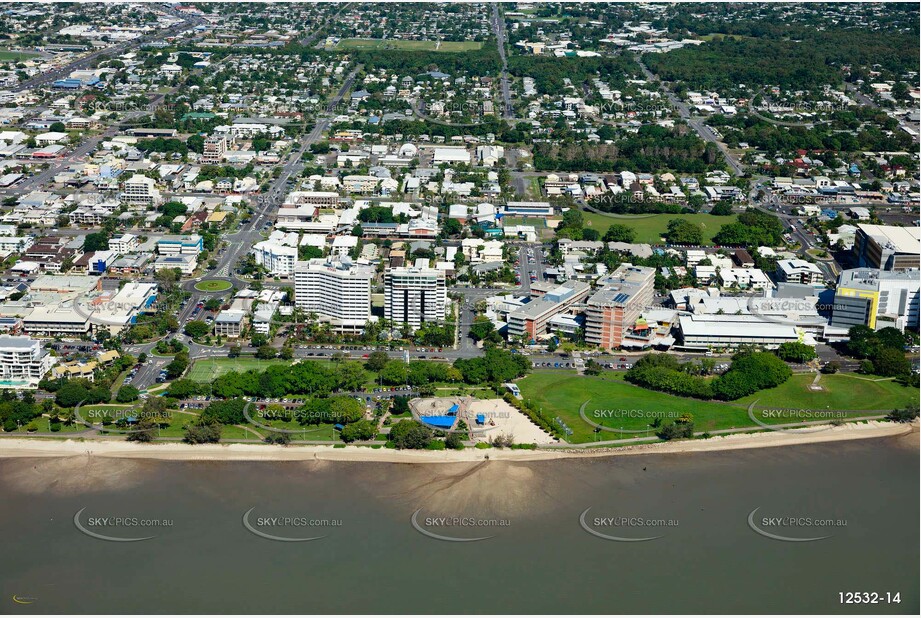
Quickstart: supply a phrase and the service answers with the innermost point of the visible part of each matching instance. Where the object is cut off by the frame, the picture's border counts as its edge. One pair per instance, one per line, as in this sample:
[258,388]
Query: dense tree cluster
[303,378]
[72,392]
[226,412]
[549,72]
[748,373]
[848,131]
[683,232]
[376,214]
[795,352]
[883,350]
[127,394]
[830,39]
[16,412]
[359,430]
[202,433]
[725,63]
[176,367]
[410,435]
[341,410]
[653,148]
[619,232]
[481,62]
[418,373]
[495,366]
[168,145]
[436,334]
[753,229]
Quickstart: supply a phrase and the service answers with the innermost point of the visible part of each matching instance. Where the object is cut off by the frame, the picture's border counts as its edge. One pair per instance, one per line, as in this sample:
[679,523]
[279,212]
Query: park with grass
[206,370]
[400,45]
[840,391]
[7,55]
[213,285]
[615,403]
[651,228]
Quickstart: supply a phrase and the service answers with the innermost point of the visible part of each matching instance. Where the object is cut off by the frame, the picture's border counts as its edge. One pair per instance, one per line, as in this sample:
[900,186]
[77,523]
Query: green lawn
[96,412]
[650,228]
[842,391]
[207,369]
[6,55]
[213,285]
[324,431]
[618,404]
[44,426]
[533,189]
[442,46]
[537,222]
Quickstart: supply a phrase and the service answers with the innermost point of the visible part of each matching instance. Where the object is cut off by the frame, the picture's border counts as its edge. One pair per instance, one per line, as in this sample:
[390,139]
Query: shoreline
[37,447]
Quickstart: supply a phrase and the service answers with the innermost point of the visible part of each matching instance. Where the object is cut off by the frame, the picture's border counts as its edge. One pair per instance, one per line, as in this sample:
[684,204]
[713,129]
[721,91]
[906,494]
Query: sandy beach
[32,447]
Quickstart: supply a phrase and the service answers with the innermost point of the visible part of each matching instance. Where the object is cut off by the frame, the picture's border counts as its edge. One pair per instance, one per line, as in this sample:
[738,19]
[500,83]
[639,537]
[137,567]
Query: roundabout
[213,285]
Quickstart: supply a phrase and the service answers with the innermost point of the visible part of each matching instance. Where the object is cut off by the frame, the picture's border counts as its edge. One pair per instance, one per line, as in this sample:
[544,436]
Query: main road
[87,61]
[498,23]
[865,100]
[241,241]
[695,123]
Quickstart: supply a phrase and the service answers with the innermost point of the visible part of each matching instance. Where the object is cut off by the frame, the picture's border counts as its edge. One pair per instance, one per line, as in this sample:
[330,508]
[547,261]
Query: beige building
[612,312]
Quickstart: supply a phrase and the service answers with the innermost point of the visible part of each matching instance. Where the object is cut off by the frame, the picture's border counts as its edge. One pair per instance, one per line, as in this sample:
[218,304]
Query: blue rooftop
[441,422]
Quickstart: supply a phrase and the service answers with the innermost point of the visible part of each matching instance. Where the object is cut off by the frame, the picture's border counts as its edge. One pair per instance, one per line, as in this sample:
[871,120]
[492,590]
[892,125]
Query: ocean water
[534,556]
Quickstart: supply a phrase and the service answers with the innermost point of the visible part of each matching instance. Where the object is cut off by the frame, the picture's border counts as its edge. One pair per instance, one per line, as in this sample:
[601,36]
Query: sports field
[7,55]
[207,369]
[440,46]
[650,228]
[537,222]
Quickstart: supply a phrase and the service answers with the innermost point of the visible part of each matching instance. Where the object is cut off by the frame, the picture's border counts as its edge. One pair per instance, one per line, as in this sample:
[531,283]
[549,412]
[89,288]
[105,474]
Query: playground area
[484,418]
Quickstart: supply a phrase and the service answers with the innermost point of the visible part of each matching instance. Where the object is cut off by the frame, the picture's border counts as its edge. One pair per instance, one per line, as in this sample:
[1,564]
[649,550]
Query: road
[112,51]
[241,241]
[694,122]
[89,145]
[307,40]
[84,149]
[770,204]
[865,100]
[498,24]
